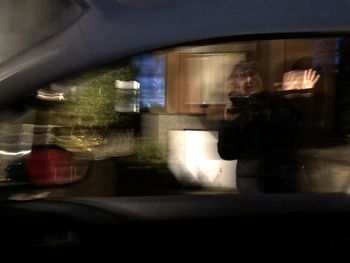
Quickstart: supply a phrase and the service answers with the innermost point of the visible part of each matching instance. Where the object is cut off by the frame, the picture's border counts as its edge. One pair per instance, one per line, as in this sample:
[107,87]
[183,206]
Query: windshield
[267,116]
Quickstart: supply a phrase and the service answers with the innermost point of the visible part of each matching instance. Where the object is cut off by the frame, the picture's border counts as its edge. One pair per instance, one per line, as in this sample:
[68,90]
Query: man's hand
[310,79]
[300,80]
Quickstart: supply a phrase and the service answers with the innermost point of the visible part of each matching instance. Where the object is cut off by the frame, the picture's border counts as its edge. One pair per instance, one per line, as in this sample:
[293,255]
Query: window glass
[151,76]
[268,116]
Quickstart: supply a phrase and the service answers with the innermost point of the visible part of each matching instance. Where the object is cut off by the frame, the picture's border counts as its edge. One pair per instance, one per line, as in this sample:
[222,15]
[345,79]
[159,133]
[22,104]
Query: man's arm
[229,140]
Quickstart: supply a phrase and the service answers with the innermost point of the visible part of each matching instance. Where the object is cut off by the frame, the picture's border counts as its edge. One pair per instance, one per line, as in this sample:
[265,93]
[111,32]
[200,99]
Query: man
[260,129]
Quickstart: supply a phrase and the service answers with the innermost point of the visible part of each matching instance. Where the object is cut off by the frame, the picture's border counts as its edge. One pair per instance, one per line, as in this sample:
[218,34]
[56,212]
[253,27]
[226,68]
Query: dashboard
[174,228]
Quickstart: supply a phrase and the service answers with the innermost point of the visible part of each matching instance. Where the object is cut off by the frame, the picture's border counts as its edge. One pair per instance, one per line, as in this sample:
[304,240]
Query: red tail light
[53,167]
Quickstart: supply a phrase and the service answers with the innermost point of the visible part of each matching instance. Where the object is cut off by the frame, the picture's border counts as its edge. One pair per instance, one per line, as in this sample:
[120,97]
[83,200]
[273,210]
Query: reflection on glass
[255,116]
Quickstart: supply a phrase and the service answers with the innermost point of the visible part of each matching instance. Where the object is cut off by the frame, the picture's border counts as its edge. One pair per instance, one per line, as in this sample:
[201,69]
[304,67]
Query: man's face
[246,82]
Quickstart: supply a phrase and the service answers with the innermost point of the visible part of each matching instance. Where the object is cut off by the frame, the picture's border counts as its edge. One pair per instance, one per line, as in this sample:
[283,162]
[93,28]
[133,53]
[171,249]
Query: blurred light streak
[193,157]
[18,67]
[14,153]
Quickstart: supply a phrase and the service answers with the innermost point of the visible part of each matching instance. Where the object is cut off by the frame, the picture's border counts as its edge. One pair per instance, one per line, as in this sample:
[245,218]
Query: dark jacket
[263,140]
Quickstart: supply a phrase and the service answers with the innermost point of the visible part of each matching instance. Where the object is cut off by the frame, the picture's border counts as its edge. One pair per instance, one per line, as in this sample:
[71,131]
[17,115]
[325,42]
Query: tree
[91,108]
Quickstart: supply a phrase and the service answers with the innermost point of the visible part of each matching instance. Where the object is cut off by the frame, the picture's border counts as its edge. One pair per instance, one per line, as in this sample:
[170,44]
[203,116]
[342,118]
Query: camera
[249,103]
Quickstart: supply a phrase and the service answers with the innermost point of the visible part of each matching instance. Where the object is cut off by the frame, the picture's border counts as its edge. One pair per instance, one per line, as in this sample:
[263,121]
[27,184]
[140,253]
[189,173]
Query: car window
[260,116]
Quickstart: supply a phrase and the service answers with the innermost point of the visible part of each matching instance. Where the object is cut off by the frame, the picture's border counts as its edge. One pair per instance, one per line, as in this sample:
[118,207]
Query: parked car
[110,117]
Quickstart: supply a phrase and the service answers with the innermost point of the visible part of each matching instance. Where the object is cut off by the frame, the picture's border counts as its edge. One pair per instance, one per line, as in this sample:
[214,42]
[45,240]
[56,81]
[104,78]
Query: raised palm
[297,80]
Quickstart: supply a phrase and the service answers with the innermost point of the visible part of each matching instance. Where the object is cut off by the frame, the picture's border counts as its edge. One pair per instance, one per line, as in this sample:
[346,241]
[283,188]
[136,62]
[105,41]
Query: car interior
[167,131]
